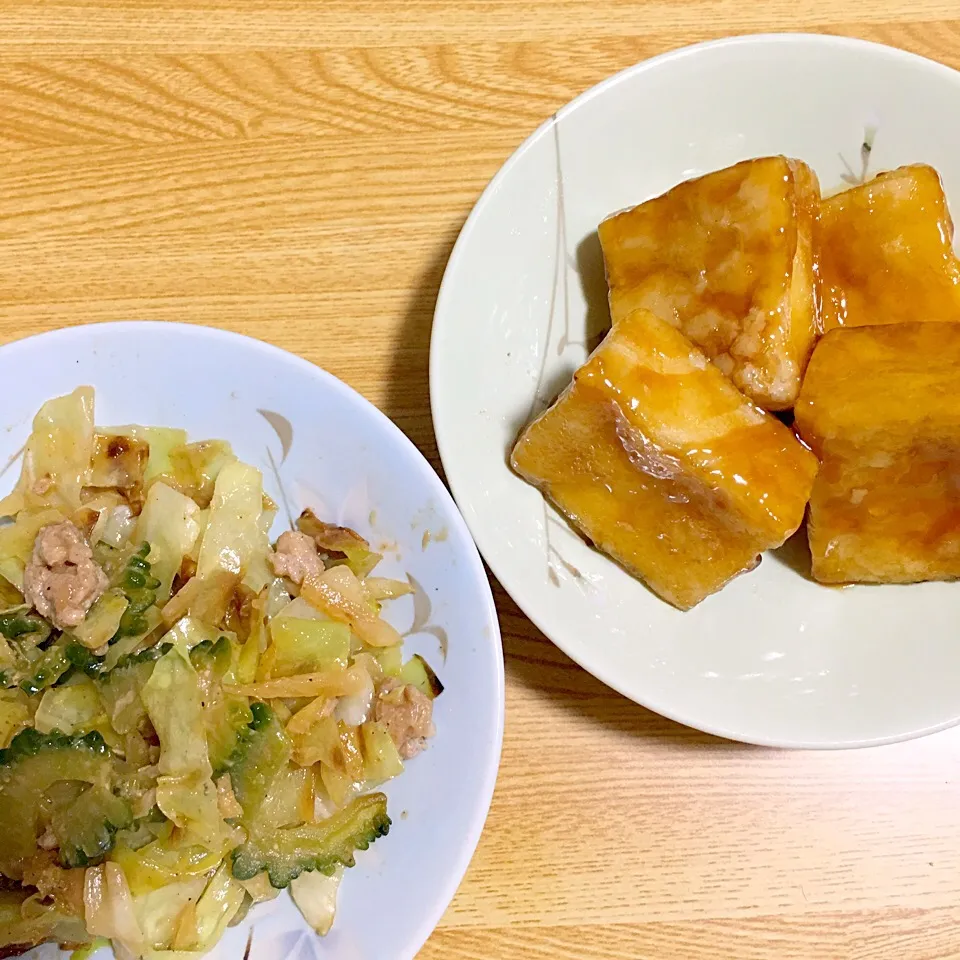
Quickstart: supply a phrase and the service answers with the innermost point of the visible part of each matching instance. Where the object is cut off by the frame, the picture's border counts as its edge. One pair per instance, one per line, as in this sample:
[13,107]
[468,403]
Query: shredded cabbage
[195,467]
[190,802]
[115,525]
[108,907]
[57,456]
[188,632]
[117,462]
[200,927]
[304,646]
[74,708]
[161,440]
[14,714]
[233,528]
[166,860]
[316,896]
[169,524]
[158,911]
[173,702]
[103,620]
[258,573]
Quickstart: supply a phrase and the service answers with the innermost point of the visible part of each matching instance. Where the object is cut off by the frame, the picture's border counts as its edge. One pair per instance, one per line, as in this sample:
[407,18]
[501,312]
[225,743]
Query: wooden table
[298,172]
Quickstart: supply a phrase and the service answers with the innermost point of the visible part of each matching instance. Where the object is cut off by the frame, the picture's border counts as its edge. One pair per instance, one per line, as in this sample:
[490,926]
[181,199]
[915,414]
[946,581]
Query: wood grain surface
[298,171]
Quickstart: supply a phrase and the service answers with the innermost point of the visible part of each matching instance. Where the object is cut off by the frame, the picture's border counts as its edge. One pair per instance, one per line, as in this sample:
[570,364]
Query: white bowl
[773,658]
[343,457]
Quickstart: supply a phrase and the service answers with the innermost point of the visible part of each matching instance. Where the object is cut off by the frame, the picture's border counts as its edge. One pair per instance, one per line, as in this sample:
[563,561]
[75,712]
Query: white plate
[771,659]
[337,453]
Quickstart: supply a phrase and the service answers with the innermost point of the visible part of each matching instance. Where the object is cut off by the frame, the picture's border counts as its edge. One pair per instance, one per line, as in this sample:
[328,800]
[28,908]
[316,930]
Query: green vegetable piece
[82,659]
[87,827]
[286,852]
[417,671]
[139,586]
[263,753]
[19,623]
[28,768]
[228,728]
[226,717]
[262,716]
[215,657]
[31,743]
[93,666]
[150,655]
[98,667]
[143,830]
[48,669]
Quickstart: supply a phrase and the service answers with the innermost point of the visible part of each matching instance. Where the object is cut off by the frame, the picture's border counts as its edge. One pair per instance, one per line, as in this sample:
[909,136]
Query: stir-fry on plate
[192,718]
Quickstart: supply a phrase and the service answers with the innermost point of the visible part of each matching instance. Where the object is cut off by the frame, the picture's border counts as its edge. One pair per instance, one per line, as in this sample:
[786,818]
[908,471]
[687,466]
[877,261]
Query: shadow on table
[532,660]
[407,401]
[795,554]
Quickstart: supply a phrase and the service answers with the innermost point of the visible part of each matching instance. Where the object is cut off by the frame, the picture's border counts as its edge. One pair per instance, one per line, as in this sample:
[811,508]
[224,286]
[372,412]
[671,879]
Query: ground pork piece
[61,580]
[296,557]
[407,714]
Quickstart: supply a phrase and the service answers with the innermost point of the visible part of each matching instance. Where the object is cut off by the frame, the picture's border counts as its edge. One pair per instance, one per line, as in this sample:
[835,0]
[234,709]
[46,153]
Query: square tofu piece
[886,252]
[729,259]
[881,407]
[661,462]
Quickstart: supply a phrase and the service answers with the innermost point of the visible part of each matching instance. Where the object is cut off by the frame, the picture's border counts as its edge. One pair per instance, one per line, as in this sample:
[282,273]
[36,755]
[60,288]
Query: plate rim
[442,327]
[437,489]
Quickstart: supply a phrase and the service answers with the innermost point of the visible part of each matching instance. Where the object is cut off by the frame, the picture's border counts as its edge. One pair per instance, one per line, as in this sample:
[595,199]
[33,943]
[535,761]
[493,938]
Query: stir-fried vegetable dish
[192,717]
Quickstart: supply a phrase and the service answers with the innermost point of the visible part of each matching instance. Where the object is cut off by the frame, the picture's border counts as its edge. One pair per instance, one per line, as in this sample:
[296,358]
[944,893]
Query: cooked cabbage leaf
[56,458]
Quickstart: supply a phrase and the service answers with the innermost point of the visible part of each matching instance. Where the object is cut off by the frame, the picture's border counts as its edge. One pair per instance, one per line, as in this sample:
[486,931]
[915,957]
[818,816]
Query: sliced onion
[108,907]
[339,594]
[331,683]
[355,709]
[383,588]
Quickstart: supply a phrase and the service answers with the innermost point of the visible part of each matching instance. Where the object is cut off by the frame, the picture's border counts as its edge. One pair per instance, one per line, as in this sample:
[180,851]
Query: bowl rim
[484,797]
[443,327]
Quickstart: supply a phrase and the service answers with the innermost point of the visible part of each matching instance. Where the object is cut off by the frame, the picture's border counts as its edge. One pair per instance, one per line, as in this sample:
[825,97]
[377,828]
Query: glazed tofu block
[664,465]
[729,260]
[881,407]
[887,252]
